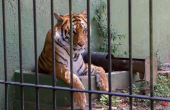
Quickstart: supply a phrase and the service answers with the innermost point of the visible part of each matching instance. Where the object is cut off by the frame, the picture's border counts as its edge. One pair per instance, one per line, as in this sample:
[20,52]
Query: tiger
[62,54]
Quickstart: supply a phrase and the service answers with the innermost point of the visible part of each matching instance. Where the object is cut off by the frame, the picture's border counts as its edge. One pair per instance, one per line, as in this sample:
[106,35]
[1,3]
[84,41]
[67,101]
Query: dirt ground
[122,106]
[161,105]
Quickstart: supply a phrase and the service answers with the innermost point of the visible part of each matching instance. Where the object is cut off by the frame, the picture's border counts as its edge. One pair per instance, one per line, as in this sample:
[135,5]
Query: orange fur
[61,64]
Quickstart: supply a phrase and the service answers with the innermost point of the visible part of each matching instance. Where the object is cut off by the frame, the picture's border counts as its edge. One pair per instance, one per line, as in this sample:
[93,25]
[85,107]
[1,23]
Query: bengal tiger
[62,54]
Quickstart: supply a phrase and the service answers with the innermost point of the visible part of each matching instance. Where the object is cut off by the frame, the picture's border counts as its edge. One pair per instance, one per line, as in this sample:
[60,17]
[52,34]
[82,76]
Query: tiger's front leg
[101,78]
[79,97]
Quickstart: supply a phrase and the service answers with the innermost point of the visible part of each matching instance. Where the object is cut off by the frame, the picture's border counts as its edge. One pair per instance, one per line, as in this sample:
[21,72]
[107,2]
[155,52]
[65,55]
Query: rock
[114,108]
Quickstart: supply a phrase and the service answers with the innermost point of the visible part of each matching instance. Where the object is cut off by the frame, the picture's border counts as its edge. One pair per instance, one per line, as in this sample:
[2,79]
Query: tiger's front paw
[80,99]
[101,79]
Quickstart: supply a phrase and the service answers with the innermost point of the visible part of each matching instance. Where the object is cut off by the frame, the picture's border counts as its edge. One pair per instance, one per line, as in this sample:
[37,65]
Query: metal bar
[53,54]
[86,91]
[20,55]
[5,54]
[35,49]
[130,55]
[109,54]
[89,54]
[71,54]
[151,51]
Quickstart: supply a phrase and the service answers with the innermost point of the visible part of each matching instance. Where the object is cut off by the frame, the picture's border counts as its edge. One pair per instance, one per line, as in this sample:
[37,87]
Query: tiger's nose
[81,44]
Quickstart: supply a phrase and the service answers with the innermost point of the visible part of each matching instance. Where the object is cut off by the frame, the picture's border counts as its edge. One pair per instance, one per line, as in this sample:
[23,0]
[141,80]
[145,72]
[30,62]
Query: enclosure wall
[119,19]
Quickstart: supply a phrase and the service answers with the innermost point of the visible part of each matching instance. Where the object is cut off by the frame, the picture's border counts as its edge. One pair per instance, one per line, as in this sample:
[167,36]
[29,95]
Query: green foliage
[161,87]
[104,100]
[135,89]
[159,62]
[101,19]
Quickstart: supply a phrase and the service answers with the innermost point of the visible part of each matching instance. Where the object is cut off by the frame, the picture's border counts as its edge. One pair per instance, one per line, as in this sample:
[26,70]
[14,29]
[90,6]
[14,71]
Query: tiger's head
[79,27]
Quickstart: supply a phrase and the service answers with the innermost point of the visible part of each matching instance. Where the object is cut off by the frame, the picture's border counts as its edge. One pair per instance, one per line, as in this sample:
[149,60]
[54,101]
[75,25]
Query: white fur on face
[77,48]
[61,39]
[83,24]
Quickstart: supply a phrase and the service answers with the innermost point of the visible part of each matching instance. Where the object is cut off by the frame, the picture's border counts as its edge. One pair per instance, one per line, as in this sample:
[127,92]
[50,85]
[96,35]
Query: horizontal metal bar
[86,91]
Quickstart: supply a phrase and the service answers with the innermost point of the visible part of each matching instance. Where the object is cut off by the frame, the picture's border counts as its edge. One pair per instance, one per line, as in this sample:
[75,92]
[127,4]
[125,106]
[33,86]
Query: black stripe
[92,70]
[62,47]
[62,31]
[42,63]
[59,62]
[76,57]
[45,60]
[76,16]
[66,41]
[84,72]
[40,69]
[61,57]
[60,52]
[62,28]
[80,67]
[49,60]
[76,20]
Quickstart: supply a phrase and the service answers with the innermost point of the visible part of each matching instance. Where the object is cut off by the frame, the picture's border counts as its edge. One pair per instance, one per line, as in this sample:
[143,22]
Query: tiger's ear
[84,13]
[58,17]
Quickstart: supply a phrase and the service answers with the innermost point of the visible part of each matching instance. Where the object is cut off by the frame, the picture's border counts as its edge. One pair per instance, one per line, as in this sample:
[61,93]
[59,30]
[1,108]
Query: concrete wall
[119,19]
[140,26]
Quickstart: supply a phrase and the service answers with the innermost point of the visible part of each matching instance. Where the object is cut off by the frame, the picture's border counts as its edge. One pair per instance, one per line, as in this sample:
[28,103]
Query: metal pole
[109,54]
[5,54]
[53,54]
[89,53]
[151,51]
[130,55]
[20,54]
[71,54]
[35,50]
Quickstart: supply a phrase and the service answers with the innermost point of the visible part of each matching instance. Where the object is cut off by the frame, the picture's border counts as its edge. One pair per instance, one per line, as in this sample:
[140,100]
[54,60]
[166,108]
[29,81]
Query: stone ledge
[119,80]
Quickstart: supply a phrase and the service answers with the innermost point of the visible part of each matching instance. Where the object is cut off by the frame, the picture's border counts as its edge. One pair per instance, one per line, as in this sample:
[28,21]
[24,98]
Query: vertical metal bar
[109,54]
[130,53]
[35,49]
[71,54]
[20,54]
[53,54]
[89,53]
[5,55]
[151,51]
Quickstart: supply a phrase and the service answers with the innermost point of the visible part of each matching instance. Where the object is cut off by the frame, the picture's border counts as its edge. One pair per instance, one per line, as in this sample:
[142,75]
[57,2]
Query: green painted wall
[119,19]
[140,26]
